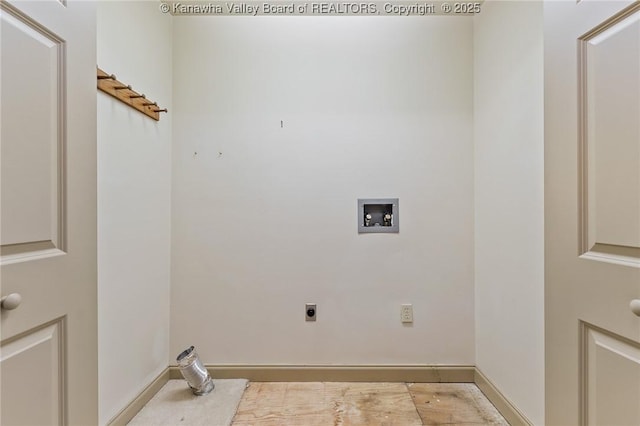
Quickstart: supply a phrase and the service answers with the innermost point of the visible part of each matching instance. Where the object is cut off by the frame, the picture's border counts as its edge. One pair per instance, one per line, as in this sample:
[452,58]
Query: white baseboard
[340,373]
[130,411]
[504,406]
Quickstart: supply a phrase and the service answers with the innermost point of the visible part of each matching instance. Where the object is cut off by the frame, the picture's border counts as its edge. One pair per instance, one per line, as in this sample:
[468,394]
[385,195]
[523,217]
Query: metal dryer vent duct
[194,373]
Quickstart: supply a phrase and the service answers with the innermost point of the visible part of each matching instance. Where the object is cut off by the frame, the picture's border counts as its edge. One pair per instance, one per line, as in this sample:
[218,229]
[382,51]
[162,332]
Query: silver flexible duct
[194,373]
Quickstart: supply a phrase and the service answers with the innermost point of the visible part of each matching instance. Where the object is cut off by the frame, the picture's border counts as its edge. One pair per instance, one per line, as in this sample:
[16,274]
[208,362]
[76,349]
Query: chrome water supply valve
[194,372]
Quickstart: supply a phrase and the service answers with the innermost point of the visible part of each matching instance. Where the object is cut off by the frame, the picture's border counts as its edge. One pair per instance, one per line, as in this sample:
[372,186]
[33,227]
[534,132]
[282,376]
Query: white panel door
[48,347]
[592,212]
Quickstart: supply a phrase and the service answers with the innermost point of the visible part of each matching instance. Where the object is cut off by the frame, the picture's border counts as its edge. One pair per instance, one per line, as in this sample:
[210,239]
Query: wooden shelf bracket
[109,84]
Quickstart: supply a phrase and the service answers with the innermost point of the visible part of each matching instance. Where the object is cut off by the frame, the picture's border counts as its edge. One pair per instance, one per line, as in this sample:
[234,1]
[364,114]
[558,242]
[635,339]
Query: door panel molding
[36,228]
[45,345]
[596,344]
[603,234]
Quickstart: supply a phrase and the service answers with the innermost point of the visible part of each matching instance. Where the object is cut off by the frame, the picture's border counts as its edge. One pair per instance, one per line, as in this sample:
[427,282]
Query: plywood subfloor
[453,404]
[365,404]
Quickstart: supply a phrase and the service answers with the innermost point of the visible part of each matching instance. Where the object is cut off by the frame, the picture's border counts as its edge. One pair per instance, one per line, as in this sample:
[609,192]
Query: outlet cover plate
[307,307]
[406,313]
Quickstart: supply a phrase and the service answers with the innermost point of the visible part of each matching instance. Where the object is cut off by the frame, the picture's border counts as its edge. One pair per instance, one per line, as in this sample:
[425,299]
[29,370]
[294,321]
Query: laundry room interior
[218,223]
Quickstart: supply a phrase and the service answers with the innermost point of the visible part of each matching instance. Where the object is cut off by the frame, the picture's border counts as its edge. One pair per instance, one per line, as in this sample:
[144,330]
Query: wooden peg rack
[124,93]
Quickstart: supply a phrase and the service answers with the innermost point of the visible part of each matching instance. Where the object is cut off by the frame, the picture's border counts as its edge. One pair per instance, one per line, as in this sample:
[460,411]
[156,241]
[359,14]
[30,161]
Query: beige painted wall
[134,190]
[264,215]
[509,201]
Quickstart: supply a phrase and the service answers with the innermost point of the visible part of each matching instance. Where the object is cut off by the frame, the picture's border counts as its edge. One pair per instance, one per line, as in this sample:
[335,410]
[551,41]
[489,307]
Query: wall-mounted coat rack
[124,93]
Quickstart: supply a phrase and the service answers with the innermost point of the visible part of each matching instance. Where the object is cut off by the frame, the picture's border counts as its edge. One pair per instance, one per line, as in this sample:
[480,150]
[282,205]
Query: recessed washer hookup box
[378,215]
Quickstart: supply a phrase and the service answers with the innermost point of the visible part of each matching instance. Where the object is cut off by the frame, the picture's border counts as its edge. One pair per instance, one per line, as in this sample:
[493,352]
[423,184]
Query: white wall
[264,216]
[134,204]
[509,201]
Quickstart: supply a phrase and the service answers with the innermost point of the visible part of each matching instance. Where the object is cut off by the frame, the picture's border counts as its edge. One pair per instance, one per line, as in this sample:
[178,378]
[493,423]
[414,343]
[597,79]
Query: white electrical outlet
[406,313]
